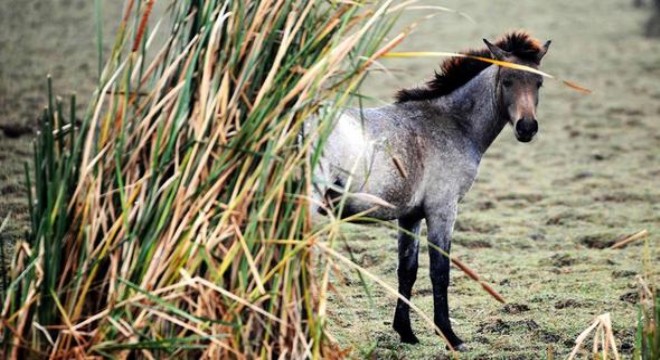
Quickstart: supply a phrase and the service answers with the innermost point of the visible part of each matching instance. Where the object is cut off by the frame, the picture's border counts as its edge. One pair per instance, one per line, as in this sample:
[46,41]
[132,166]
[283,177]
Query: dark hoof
[409,339]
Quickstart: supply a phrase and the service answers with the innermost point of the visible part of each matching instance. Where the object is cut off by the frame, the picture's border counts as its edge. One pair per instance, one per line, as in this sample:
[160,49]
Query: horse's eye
[539,84]
[507,83]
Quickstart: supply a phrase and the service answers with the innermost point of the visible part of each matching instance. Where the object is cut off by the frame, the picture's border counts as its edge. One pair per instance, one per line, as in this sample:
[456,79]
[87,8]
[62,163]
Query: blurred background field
[536,224]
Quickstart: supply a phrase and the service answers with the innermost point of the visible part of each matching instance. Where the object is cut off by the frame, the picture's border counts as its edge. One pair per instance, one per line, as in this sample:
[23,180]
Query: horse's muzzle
[525,129]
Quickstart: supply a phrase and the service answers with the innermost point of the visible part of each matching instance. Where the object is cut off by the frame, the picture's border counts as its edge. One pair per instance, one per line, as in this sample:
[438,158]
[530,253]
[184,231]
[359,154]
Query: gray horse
[416,159]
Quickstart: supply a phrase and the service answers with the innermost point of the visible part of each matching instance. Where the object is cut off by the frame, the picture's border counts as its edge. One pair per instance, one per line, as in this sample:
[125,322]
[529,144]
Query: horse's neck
[476,106]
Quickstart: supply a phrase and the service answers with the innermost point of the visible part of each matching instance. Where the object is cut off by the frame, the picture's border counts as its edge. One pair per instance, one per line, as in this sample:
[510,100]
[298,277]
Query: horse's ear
[497,52]
[544,50]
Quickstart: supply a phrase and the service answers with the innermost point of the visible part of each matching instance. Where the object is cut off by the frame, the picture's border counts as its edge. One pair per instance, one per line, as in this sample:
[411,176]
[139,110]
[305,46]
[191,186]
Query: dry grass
[603,339]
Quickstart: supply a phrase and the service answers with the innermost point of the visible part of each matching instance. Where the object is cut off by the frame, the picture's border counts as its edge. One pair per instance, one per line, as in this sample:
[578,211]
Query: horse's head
[519,90]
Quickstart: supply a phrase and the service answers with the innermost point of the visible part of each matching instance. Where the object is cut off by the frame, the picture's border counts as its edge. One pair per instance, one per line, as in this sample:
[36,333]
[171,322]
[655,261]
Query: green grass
[552,296]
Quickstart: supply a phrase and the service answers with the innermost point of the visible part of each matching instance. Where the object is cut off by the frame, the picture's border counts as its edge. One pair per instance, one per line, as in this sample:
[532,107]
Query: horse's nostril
[534,127]
[525,126]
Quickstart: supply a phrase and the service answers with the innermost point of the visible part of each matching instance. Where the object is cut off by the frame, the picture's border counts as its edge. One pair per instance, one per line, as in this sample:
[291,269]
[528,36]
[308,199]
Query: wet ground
[536,224]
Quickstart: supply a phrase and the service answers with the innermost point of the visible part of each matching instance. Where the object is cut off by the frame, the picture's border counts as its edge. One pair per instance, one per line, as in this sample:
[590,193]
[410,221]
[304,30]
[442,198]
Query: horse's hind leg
[407,272]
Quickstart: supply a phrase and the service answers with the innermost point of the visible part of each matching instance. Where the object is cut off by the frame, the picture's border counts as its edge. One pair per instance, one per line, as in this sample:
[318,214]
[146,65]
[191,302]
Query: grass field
[537,220]
[536,224]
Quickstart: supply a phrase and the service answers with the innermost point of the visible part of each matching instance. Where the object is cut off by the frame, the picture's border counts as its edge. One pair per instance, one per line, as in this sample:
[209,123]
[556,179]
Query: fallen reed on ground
[172,221]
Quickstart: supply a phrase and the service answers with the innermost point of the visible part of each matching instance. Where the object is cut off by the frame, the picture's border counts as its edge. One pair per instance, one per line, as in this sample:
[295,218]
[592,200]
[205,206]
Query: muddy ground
[536,224]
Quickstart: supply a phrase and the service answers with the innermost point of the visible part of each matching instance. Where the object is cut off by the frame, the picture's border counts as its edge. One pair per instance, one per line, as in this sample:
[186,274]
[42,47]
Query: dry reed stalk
[603,338]
[474,276]
[408,54]
[628,239]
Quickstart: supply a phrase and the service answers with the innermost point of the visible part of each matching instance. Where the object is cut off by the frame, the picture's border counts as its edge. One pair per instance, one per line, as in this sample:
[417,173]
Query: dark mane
[457,71]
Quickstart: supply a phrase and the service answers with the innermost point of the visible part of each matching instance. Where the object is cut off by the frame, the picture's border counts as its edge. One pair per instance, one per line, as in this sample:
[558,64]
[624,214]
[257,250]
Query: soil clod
[499,326]
[623,273]
[515,308]
[562,260]
[630,297]
[549,337]
[597,241]
[16,130]
[568,303]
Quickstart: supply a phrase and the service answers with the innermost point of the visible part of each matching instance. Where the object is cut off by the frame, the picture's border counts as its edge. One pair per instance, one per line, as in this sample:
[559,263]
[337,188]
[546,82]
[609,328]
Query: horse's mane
[457,71]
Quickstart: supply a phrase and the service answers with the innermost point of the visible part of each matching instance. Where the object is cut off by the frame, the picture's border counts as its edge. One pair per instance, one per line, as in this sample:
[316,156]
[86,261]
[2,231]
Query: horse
[416,158]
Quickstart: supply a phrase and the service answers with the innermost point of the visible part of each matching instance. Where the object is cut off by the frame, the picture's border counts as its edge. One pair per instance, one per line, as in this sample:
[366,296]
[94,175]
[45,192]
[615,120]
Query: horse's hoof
[461,347]
[409,339]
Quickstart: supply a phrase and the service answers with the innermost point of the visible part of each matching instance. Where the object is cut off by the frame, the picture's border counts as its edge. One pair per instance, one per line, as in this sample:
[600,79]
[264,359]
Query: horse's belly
[365,171]
[377,187]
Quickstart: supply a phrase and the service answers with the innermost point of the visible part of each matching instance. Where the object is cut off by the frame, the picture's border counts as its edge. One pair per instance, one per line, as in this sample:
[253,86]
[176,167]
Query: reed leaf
[413,54]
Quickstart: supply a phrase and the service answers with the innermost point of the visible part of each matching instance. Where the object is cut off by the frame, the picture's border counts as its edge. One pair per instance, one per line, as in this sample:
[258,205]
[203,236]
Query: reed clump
[172,221]
[647,339]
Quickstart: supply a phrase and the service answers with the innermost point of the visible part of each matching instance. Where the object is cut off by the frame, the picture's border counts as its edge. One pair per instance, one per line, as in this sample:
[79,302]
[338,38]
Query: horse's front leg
[440,221]
[407,273]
